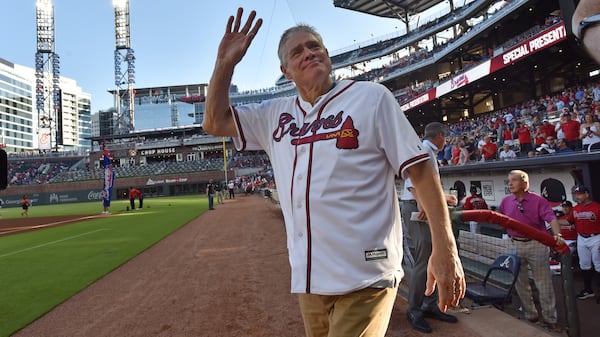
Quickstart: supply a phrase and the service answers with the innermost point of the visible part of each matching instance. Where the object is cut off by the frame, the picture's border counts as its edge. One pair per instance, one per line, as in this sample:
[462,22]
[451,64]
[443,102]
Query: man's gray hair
[521,174]
[304,28]
[433,129]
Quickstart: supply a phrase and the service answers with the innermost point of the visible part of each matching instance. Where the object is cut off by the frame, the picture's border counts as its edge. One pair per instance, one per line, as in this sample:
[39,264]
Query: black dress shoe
[418,323]
[440,316]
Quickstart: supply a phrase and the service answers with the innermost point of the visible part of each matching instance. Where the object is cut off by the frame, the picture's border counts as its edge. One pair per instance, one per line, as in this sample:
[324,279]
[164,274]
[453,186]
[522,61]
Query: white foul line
[52,242]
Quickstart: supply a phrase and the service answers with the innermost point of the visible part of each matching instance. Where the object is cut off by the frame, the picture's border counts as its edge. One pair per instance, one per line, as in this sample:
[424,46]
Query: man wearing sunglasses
[533,210]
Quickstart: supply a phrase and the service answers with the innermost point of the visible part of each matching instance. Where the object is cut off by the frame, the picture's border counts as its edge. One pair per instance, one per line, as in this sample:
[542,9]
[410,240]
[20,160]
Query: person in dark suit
[210,192]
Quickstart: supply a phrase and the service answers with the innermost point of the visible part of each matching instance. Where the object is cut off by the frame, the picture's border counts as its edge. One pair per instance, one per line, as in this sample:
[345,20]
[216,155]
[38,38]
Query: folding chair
[498,282]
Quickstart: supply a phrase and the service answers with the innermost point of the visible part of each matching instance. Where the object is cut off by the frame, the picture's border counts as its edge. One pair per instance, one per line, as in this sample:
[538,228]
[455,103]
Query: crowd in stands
[261,179]
[252,159]
[413,91]
[565,122]
[150,169]
[419,55]
[381,48]
[28,172]
[374,49]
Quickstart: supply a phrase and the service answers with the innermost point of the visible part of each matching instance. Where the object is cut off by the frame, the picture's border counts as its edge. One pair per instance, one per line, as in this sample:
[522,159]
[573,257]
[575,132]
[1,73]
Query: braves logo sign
[345,134]
[506,262]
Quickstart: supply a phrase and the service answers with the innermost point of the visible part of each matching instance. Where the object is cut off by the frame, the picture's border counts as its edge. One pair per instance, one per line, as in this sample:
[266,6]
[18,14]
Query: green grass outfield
[41,269]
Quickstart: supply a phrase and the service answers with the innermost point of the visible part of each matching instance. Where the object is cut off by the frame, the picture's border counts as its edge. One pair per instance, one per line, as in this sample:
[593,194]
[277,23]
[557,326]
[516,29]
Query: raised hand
[236,41]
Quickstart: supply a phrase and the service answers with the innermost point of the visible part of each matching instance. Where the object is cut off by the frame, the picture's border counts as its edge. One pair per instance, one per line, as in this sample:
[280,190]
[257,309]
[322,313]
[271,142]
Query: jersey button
[299,177]
[300,234]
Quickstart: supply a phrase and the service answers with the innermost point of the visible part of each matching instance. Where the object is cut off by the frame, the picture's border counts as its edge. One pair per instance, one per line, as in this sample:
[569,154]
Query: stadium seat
[498,283]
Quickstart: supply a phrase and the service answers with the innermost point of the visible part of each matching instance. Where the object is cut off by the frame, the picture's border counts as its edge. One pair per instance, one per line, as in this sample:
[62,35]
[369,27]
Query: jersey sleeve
[467,204]
[570,218]
[249,126]
[397,137]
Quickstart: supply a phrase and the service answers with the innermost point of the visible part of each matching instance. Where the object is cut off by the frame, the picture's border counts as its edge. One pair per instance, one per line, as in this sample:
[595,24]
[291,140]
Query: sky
[175,41]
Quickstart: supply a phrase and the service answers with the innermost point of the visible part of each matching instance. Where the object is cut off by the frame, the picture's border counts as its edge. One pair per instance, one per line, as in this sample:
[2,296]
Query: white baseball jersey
[334,165]
[433,151]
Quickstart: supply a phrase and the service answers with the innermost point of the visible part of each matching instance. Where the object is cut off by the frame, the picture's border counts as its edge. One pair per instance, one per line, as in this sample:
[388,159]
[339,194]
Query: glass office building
[17,103]
[19,117]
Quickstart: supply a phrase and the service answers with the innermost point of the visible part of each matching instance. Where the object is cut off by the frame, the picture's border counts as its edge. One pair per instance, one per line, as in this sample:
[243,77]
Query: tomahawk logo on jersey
[346,137]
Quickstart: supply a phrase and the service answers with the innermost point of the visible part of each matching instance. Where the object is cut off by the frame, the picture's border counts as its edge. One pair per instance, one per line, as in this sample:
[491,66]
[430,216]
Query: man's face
[439,141]
[561,143]
[306,59]
[515,184]
[582,197]
[566,209]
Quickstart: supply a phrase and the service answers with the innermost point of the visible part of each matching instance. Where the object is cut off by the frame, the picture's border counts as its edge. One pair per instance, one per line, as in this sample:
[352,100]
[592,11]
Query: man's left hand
[445,271]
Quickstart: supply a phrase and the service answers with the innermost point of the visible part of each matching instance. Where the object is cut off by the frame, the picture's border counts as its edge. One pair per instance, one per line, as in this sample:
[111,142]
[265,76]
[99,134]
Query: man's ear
[284,72]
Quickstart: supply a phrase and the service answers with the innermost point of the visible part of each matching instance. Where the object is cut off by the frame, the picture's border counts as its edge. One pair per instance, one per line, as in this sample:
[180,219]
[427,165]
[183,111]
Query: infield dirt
[24,224]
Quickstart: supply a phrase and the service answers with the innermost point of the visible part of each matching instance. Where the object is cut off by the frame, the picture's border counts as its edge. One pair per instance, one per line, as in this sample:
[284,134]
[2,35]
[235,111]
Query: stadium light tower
[124,59]
[47,79]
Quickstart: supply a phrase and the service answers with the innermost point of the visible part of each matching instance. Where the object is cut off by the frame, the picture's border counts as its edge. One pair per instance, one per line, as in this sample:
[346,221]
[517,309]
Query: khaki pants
[363,313]
[534,256]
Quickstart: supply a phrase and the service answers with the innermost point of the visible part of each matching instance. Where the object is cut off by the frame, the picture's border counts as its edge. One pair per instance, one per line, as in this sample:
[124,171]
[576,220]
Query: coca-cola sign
[95,195]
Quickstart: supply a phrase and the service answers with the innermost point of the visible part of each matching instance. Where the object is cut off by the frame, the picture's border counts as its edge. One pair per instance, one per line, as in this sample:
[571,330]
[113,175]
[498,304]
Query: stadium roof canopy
[387,8]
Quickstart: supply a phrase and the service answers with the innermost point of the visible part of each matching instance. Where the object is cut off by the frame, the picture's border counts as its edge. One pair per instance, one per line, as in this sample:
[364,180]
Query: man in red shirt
[570,128]
[25,203]
[586,218]
[567,230]
[524,135]
[132,196]
[489,149]
[475,201]
[548,129]
[507,136]
[140,197]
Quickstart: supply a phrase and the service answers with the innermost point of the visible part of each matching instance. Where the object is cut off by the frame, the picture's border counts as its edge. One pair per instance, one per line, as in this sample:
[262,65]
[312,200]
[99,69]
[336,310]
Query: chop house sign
[158,152]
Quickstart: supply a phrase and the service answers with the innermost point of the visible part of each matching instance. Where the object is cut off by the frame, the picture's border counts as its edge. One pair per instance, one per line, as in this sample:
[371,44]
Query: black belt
[589,235]
[410,201]
[520,239]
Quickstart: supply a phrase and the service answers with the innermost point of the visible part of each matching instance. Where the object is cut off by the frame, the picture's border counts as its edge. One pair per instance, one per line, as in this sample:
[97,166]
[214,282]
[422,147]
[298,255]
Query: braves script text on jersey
[334,165]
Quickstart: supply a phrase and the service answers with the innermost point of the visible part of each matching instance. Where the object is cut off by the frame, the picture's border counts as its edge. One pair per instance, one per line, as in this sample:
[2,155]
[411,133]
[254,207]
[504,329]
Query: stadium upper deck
[400,9]
[442,51]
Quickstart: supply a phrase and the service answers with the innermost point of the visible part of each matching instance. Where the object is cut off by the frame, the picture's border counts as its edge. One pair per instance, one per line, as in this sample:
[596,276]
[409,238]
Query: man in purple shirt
[533,210]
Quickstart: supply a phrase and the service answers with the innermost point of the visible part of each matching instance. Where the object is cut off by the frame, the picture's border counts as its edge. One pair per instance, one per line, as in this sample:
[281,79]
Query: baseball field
[58,250]
[168,270]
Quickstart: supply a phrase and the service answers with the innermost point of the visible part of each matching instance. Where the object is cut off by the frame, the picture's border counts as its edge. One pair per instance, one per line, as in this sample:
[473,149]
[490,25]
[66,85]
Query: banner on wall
[109,178]
[44,138]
